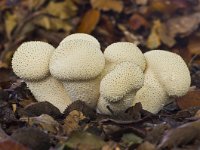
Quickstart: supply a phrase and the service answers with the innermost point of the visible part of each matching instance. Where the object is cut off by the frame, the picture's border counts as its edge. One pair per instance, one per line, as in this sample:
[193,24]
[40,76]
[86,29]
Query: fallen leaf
[130,139]
[37,109]
[111,146]
[10,23]
[50,23]
[9,144]
[182,135]
[183,25]
[45,122]
[62,10]
[89,21]
[194,45]
[137,21]
[147,146]
[33,138]
[191,99]
[71,122]
[154,40]
[106,5]
[84,140]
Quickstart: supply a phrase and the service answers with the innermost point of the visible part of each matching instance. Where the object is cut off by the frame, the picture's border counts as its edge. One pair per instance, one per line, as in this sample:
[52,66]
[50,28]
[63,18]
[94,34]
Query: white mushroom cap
[152,95]
[81,36]
[126,77]
[124,51]
[170,70]
[117,88]
[31,60]
[50,90]
[77,60]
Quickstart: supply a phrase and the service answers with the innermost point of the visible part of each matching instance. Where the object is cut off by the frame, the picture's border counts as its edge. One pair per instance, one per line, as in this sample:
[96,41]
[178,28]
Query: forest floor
[151,24]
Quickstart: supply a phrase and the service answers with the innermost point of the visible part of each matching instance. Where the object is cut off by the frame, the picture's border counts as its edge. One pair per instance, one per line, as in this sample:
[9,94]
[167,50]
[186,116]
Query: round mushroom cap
[170,70]
[77,60]
[31,60]
[80,36]
[152,95]
[125,78]
[125,51]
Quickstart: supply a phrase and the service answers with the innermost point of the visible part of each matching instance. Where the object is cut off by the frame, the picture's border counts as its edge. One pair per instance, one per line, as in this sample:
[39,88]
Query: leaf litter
[151,24]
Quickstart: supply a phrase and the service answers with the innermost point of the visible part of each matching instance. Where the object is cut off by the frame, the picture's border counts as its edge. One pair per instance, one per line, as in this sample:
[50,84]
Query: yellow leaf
[63,10]
[71,122]
[107,5]
[89,21]
[53,23]
[10,23]
[153,40]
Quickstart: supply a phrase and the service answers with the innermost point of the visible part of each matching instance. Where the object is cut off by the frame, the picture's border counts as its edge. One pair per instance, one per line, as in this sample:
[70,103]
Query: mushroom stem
[51,90]
[31,63]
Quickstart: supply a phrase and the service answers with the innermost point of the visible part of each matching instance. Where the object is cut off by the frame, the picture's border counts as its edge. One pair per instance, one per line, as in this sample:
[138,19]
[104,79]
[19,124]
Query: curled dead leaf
[182,135]
[44,121]
[71,122]
[89,21]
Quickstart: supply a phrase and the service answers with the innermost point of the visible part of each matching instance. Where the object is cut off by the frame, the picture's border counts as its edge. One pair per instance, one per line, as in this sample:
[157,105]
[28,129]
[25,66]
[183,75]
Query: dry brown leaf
[71,122]
[182,135]
[191,99]
[10,23]
[136,21]
[9,144]
[183,25]
[106,5]
[44,121]
[153,40]
[194,45]
[89,21]
[62,10]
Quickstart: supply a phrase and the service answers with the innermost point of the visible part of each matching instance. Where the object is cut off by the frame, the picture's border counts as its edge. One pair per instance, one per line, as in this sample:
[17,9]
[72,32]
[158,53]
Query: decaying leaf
[62,10]
[11,145]
[146,146]
[106,5]
[129,139]
[191,99]
[183,25]
[45,122]
[182,135]
[89,21]
[136,21]
[50,23]
[153,40]
[71,122]
[10,23]
[84,140]
[194,45]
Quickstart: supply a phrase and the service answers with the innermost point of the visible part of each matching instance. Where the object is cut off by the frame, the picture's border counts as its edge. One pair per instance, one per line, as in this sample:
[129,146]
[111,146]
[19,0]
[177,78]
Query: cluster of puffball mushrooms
[114,80]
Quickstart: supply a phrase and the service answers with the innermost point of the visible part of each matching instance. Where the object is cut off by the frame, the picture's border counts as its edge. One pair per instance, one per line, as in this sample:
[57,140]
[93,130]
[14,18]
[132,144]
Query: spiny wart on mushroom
[122,76]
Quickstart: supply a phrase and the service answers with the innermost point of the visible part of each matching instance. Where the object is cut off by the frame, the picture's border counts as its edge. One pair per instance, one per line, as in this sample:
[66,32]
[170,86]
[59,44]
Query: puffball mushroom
[116,79]
[119,52]
[78,62]
[118,87]
[166,76]
[31,63]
